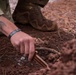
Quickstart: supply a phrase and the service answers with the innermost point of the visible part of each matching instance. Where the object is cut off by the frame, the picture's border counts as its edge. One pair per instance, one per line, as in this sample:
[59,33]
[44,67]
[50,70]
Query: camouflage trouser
[5,8]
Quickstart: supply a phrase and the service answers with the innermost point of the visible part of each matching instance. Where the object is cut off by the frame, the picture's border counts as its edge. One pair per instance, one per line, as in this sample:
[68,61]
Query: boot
[41,3]
[26,12]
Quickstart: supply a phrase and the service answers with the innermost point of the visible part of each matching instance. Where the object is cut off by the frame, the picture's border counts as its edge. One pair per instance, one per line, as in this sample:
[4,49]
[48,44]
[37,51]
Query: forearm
[6,27]
[21,41]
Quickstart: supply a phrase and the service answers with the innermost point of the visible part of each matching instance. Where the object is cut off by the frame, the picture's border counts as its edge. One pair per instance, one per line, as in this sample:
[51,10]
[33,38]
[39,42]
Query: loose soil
[64,40]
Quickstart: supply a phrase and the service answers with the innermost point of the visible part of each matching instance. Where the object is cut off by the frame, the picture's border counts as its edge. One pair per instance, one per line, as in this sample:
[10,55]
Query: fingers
[31,50]
[17,46]
[26,47]
[26,52]
[22,47]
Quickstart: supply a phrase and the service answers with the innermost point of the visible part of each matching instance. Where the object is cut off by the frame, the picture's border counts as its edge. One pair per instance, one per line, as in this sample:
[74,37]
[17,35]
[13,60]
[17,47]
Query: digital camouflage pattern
[28,11]
[5,9]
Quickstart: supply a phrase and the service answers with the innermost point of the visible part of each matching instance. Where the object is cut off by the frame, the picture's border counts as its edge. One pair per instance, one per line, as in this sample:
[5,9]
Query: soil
[64,40]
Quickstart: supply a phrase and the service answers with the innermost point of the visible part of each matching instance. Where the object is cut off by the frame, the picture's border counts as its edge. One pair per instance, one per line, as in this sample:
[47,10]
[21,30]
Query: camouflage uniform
[5,9]
[28,11]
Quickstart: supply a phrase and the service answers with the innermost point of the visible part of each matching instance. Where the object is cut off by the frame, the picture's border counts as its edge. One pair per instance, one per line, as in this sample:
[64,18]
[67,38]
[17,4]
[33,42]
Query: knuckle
[32,52]
[31,39]
[17,43]
[21,40]
[27,40]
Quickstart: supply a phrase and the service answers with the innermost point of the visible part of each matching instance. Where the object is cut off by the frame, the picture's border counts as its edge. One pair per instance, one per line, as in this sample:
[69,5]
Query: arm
[20,40]
[6,26]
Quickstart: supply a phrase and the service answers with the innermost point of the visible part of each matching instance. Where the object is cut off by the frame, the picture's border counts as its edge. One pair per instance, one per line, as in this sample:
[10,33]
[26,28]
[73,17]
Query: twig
[59,34]
[48,49]
[4,71]
[3,54]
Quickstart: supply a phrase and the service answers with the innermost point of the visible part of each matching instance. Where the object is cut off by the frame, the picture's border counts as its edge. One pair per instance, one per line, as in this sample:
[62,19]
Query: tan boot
[31,13]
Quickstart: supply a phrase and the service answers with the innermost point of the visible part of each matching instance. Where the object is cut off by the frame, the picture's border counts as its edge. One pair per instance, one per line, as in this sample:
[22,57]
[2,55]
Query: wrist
[13,32]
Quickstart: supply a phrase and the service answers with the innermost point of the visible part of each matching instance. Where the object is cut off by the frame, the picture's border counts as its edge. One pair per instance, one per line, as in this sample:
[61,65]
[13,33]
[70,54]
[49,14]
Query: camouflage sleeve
[5,9]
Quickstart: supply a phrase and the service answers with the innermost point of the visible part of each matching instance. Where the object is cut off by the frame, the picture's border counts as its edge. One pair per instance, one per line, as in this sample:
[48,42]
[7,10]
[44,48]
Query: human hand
[25,43]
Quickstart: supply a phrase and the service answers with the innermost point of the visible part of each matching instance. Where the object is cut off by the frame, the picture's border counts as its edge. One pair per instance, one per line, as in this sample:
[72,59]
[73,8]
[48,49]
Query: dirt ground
[64,40]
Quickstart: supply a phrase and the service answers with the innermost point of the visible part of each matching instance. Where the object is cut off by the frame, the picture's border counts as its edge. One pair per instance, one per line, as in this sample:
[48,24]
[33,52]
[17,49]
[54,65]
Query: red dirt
[66,64]
[64,13]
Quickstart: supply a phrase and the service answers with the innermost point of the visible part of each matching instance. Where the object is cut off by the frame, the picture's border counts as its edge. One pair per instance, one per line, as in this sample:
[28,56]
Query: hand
[25,43]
